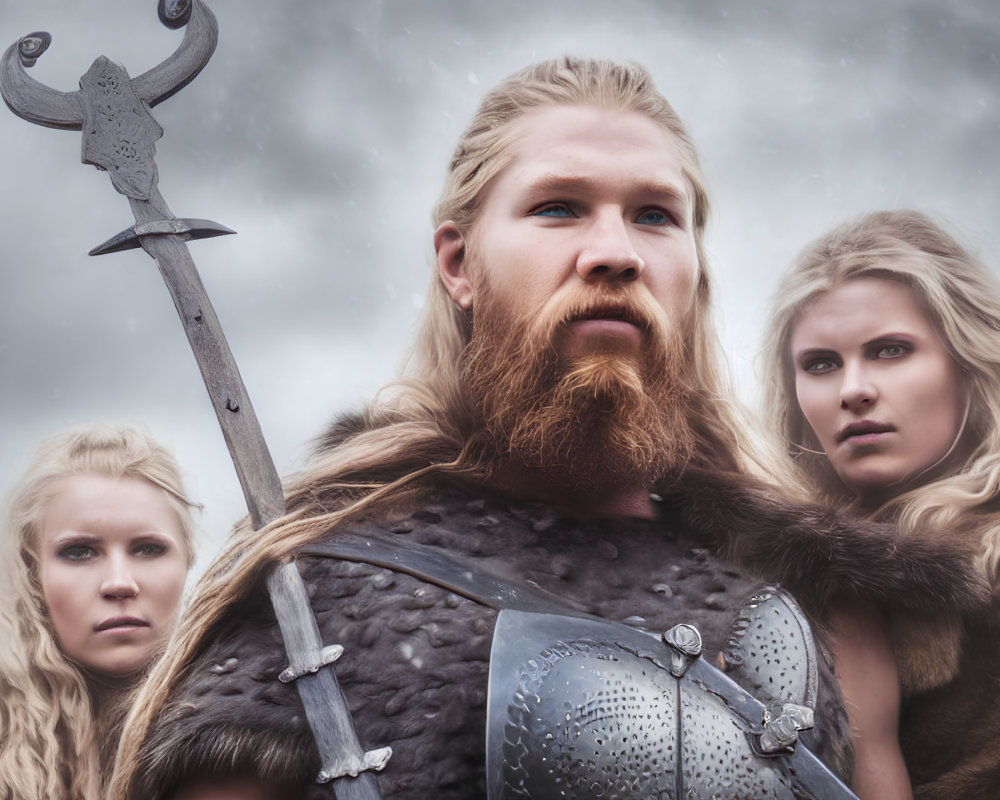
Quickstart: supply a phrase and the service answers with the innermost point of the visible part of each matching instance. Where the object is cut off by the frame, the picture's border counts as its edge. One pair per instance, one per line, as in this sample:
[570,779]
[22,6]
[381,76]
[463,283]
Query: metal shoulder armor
[584,708]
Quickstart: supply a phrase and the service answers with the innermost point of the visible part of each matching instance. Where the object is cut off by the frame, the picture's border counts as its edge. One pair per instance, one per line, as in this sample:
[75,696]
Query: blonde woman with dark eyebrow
[95,553]
[883,364]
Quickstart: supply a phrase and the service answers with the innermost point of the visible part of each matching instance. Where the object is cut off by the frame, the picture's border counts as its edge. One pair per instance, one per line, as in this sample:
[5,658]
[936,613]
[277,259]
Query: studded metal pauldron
[585,708]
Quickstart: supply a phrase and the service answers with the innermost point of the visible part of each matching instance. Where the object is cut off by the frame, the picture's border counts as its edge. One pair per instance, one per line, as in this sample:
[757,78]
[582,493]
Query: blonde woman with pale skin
[96,550]
[883,360]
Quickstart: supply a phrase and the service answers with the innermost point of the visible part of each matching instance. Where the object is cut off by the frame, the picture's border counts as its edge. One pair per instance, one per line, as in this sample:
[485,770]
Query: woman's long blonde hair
[961,299]
[419,425]
[49,745]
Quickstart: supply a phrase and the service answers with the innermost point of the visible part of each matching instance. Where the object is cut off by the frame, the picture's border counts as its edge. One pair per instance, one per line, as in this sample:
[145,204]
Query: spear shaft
[240,426]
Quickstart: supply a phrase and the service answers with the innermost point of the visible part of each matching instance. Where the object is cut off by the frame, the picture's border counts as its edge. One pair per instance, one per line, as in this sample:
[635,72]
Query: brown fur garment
[950,735]
[821,557]
[416,656]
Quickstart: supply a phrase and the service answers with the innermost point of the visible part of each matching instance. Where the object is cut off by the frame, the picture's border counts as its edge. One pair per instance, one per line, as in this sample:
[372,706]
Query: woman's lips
[120,623]
[864,432]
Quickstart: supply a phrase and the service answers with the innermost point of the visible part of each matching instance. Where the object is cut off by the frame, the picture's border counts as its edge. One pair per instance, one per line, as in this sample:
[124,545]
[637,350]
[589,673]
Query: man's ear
[449,244]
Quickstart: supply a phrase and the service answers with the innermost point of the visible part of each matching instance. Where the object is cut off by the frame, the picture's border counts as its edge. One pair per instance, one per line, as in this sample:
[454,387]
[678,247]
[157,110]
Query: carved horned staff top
[119,136]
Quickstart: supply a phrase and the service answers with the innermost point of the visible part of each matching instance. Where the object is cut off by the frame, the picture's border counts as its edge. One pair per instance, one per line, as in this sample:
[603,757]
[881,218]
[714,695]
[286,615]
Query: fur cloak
[950,734]
[416,656]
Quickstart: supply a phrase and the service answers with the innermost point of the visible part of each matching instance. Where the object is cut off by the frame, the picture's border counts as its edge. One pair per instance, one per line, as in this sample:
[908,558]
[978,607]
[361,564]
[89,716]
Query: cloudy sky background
[320,131]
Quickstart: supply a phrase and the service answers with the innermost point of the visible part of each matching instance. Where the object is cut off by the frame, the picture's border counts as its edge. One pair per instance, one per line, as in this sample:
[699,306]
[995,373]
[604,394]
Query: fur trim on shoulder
[820,556]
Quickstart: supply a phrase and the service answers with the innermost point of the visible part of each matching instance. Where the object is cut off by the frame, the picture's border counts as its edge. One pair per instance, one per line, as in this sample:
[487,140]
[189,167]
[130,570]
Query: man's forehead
[580,146]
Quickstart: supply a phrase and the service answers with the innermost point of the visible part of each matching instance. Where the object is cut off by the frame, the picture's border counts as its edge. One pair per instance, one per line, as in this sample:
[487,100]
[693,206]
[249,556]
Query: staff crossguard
[119,137]
[119,133]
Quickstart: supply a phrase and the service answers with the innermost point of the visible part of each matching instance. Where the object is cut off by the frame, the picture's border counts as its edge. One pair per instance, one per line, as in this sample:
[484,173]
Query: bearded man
[563,440]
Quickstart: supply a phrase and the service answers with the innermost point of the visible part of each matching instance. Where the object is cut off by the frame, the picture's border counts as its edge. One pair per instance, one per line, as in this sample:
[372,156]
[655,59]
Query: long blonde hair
[420,425]
[50,746]
[961,299]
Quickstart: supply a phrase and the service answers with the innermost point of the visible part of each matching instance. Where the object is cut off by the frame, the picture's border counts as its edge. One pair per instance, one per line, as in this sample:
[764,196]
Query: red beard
[604,415]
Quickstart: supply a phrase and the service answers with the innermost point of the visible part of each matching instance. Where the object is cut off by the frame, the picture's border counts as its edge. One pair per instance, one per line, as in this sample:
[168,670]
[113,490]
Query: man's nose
[119,580]
[608,254]
[857,392]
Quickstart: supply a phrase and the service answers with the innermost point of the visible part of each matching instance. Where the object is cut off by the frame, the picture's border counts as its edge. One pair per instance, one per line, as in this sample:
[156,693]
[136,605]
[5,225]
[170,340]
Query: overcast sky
[320,132]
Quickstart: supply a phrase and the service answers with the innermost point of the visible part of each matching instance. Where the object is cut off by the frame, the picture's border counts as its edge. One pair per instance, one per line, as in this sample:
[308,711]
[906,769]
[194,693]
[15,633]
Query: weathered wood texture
[240,427]
[322,698]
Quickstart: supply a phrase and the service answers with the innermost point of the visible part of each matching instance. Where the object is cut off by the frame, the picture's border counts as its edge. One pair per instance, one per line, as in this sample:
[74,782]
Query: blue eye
[892,351]
[77,552]
[149,549]
[653,216]
[559,210]
[819,365]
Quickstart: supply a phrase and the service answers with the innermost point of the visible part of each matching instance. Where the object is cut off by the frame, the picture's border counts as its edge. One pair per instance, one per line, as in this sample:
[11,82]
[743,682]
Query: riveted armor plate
[585,708]
[771,652]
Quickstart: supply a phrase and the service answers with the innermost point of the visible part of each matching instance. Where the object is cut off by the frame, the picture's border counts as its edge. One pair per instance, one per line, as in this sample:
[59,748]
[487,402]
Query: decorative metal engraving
[685,641]
[328,655]
[782,725]
[586,708]
[373,761]
[119,133]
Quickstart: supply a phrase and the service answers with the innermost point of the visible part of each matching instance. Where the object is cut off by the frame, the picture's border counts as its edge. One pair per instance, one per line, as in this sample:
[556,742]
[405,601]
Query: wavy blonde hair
[961,299]
[51,747]
[420,425]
